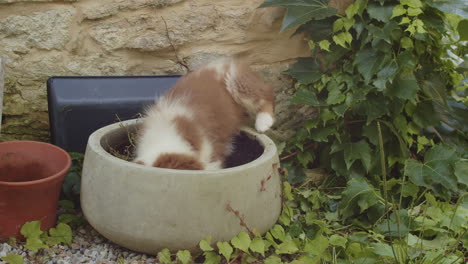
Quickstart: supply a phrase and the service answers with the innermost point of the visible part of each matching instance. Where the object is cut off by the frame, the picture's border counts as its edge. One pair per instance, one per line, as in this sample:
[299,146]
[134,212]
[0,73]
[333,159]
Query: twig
[241,218]
[179,60]
[290,155]
[234,259]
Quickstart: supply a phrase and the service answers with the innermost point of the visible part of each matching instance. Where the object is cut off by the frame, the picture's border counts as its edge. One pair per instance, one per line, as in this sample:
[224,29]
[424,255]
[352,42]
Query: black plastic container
[80,105]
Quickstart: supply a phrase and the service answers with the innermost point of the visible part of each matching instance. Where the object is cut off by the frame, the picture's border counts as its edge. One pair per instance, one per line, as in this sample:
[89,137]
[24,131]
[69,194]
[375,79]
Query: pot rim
[94,142]
[47,179]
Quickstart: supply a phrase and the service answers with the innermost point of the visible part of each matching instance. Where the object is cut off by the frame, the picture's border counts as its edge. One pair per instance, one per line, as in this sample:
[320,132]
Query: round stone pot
[147,209]
[31,177]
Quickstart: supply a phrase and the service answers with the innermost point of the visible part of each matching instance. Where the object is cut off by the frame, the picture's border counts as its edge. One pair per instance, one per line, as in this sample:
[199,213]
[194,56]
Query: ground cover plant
[391,131]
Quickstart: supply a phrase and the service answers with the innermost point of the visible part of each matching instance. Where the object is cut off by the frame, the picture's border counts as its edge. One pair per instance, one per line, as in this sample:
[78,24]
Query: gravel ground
[88,247]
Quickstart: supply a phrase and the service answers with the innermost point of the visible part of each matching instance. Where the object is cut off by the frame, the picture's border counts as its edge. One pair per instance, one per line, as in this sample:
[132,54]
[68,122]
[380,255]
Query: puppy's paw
[263,122]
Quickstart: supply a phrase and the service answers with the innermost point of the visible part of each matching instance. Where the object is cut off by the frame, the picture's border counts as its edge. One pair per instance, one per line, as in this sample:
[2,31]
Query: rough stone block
[100,9]
[32,1]
[44,30]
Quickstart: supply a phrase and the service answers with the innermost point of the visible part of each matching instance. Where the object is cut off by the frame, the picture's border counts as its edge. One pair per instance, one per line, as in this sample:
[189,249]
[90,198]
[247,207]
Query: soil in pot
[246,149]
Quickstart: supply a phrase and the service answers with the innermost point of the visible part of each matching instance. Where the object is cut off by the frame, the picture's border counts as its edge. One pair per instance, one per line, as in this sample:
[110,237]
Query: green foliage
[72,183]
[164,256]
[37,239]
[13,259]
[389,81]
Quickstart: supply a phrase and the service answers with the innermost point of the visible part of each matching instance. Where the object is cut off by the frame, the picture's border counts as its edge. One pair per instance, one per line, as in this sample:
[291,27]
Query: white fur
[206,151]
[220,66]
[160,134]
[215,165]
[263,122]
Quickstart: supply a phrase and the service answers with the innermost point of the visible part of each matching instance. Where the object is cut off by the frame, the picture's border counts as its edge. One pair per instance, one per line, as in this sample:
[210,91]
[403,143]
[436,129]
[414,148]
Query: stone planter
[147,209]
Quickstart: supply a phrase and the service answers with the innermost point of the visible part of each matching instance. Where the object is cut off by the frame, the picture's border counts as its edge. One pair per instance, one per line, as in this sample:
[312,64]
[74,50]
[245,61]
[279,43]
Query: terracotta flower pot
[31,176]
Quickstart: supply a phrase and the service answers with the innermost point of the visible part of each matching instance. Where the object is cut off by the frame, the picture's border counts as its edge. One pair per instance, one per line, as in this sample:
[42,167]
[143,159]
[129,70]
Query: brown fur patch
[178,162]
[189,131]
[216,113]
[140,162]
[252,92]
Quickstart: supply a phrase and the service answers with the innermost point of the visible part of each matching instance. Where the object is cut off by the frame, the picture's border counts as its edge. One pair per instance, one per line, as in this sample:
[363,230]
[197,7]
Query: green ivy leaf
[462,29]
[287,247]
[31,229]
[317,30]
[164,256]
[71,219]
[382,249]
[258,246]
[357,151]
[373,107]
[356,8]
[324,45]
[300,12]
[242,241]
[273,260]
[305,70]
[205,244]
[13,259]
[398,10]
[72,184]
[335,95]
[409,189]
[338,25]
[322,134]
[435,89]
[278,232]
[368,62]
[435,171]
[225,249]
[461,171]
[343,39]
[358,194]
[66,205]
[314,10]
[60,234]
[405,86]
[317,246]
[34,244]
[211,258]
[304,97]
[411,3]
[406,43]
[184,256]
[458,7]
[414,11]
[337,240]
[327,115]
[425,115]
[380,13]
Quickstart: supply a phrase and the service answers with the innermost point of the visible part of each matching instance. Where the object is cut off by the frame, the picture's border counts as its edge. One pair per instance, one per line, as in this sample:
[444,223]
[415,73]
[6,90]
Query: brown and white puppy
[192,126]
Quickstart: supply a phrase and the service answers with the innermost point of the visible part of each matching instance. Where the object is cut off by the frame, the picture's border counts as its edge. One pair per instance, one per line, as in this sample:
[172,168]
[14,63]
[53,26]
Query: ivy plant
[393,69]
[387,78]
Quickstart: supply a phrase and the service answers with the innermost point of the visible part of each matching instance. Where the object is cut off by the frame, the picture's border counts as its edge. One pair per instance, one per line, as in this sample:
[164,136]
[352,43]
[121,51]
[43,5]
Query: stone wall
[1,92]
[43,38]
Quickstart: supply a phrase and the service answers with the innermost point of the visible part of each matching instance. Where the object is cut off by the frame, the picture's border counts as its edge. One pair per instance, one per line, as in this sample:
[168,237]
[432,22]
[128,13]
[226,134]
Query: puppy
[192,126]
